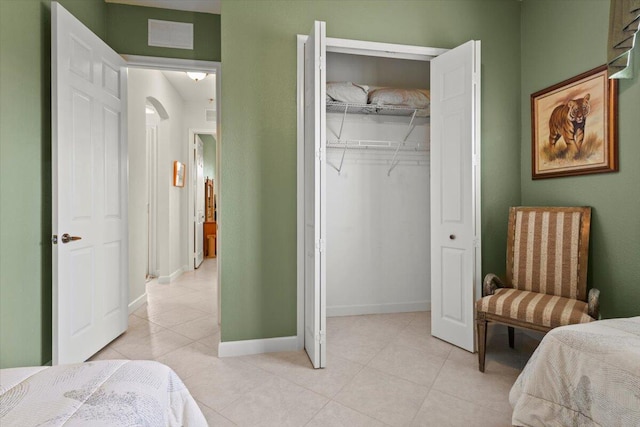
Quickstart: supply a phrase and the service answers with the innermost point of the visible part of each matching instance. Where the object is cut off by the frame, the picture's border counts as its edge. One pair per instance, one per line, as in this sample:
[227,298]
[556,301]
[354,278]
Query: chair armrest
[490,284]
[593,301]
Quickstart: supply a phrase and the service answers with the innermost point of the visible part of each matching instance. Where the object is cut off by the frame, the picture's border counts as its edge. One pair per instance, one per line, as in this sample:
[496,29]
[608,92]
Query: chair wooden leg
[511,336]
[481,324]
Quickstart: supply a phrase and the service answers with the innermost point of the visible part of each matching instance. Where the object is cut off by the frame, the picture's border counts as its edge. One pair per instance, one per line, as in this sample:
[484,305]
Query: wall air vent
[177,35]
[209,115]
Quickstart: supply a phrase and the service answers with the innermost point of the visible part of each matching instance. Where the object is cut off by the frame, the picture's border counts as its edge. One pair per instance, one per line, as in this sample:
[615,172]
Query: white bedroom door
[199,200]
[89,188]
[315,195]
[455,193]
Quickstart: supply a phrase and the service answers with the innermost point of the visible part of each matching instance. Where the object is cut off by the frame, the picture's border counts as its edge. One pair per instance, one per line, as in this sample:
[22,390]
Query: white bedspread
[104,393]
[582,375]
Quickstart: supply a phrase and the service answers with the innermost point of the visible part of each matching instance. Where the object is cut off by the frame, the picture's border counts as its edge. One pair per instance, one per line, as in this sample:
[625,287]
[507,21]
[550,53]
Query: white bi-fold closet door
[454,184]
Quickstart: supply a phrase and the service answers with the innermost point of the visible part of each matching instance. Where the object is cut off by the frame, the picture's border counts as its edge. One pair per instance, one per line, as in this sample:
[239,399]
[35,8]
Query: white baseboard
[266,345]
[355,310]
[137,303]
[172,278]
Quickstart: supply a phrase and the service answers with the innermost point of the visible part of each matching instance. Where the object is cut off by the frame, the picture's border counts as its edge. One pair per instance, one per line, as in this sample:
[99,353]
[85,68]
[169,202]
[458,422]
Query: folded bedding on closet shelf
[371,99]
[347,92]
[411,98]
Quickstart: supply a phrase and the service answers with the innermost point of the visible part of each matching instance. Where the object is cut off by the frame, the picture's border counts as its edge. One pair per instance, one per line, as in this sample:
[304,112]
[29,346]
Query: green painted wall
[258,204]
[561,39]
[25,182]
[127,32]
[258,121]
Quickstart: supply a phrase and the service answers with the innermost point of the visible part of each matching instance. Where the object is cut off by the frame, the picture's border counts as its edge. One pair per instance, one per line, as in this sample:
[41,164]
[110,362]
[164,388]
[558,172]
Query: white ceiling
[206,6]
[190,90]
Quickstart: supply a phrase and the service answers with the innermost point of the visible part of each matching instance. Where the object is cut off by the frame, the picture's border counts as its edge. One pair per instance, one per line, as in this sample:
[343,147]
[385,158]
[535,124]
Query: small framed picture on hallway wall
[178,174]
[574,126]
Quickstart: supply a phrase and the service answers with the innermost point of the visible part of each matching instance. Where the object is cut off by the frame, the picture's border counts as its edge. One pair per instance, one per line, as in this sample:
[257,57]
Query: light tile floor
[382,370]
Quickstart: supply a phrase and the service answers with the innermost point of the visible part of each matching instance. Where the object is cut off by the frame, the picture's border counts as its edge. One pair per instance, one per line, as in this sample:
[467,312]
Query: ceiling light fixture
[149,110]
[196,75]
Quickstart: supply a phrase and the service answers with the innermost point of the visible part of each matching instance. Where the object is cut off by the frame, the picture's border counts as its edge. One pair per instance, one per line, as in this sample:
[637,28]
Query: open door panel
[455,189]
[314,203]
[89,189]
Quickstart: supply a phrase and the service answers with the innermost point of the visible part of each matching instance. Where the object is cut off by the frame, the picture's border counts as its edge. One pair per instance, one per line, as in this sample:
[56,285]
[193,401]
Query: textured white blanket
[582,375]
[104,393]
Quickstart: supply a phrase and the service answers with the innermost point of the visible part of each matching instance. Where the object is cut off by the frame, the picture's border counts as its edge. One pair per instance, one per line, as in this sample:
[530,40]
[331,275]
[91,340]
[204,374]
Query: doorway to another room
[204,195]
[134,112]
[167,211]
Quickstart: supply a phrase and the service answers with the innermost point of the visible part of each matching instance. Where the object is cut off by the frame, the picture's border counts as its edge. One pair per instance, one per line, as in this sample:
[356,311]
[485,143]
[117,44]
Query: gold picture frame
[178,174]
[574,126]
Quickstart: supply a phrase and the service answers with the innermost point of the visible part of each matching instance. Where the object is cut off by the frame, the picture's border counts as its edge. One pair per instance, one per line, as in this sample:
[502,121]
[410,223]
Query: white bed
[104,393]
[582,375]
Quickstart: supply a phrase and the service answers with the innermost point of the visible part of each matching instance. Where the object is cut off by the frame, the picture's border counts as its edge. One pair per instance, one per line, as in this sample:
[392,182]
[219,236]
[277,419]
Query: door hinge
[321,337]
[320,245]
[475,160]
[54,239]
[320,154]
[321,64]
[476,78]
[476,242]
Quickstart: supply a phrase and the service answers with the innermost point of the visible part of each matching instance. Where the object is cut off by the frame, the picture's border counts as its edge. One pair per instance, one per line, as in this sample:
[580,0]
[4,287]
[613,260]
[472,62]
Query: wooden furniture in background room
[209,204]
[210,226]
[546,283]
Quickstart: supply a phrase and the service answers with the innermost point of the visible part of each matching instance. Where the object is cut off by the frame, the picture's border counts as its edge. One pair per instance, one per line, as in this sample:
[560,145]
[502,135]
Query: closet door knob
[452,236]
[66,238]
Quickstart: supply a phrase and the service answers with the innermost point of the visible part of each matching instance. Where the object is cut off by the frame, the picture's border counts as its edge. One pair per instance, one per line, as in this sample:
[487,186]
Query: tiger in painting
[568,120]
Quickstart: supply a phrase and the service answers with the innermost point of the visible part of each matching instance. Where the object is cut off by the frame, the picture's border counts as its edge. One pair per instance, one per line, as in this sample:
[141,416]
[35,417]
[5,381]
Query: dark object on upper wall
[574,126]
[624,22]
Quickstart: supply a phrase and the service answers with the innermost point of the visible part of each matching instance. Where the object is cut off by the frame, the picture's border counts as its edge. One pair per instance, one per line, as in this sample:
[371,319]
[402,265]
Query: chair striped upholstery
[546,281]
[545,254]
[535,308]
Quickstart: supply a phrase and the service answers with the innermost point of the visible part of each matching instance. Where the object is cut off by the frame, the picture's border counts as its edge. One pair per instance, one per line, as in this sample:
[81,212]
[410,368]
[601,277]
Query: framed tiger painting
[574,126]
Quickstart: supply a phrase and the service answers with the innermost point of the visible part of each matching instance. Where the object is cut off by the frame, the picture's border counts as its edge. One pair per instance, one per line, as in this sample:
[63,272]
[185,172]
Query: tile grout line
[219,414]
[318,411]
[473,403]
[435,378]
[397,378]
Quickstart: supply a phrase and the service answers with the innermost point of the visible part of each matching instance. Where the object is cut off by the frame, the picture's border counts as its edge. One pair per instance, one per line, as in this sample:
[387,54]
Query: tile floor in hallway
[383,370]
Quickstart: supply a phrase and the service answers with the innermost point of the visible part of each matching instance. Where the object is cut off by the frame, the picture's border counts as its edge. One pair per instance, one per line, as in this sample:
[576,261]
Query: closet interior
[377,185]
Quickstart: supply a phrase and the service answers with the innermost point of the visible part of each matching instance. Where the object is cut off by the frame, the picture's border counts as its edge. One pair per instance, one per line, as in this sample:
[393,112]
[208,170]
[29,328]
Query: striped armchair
[546,282]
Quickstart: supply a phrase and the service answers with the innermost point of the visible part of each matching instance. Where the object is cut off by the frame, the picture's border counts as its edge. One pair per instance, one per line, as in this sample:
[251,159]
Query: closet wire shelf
[388,110]
[397,146]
